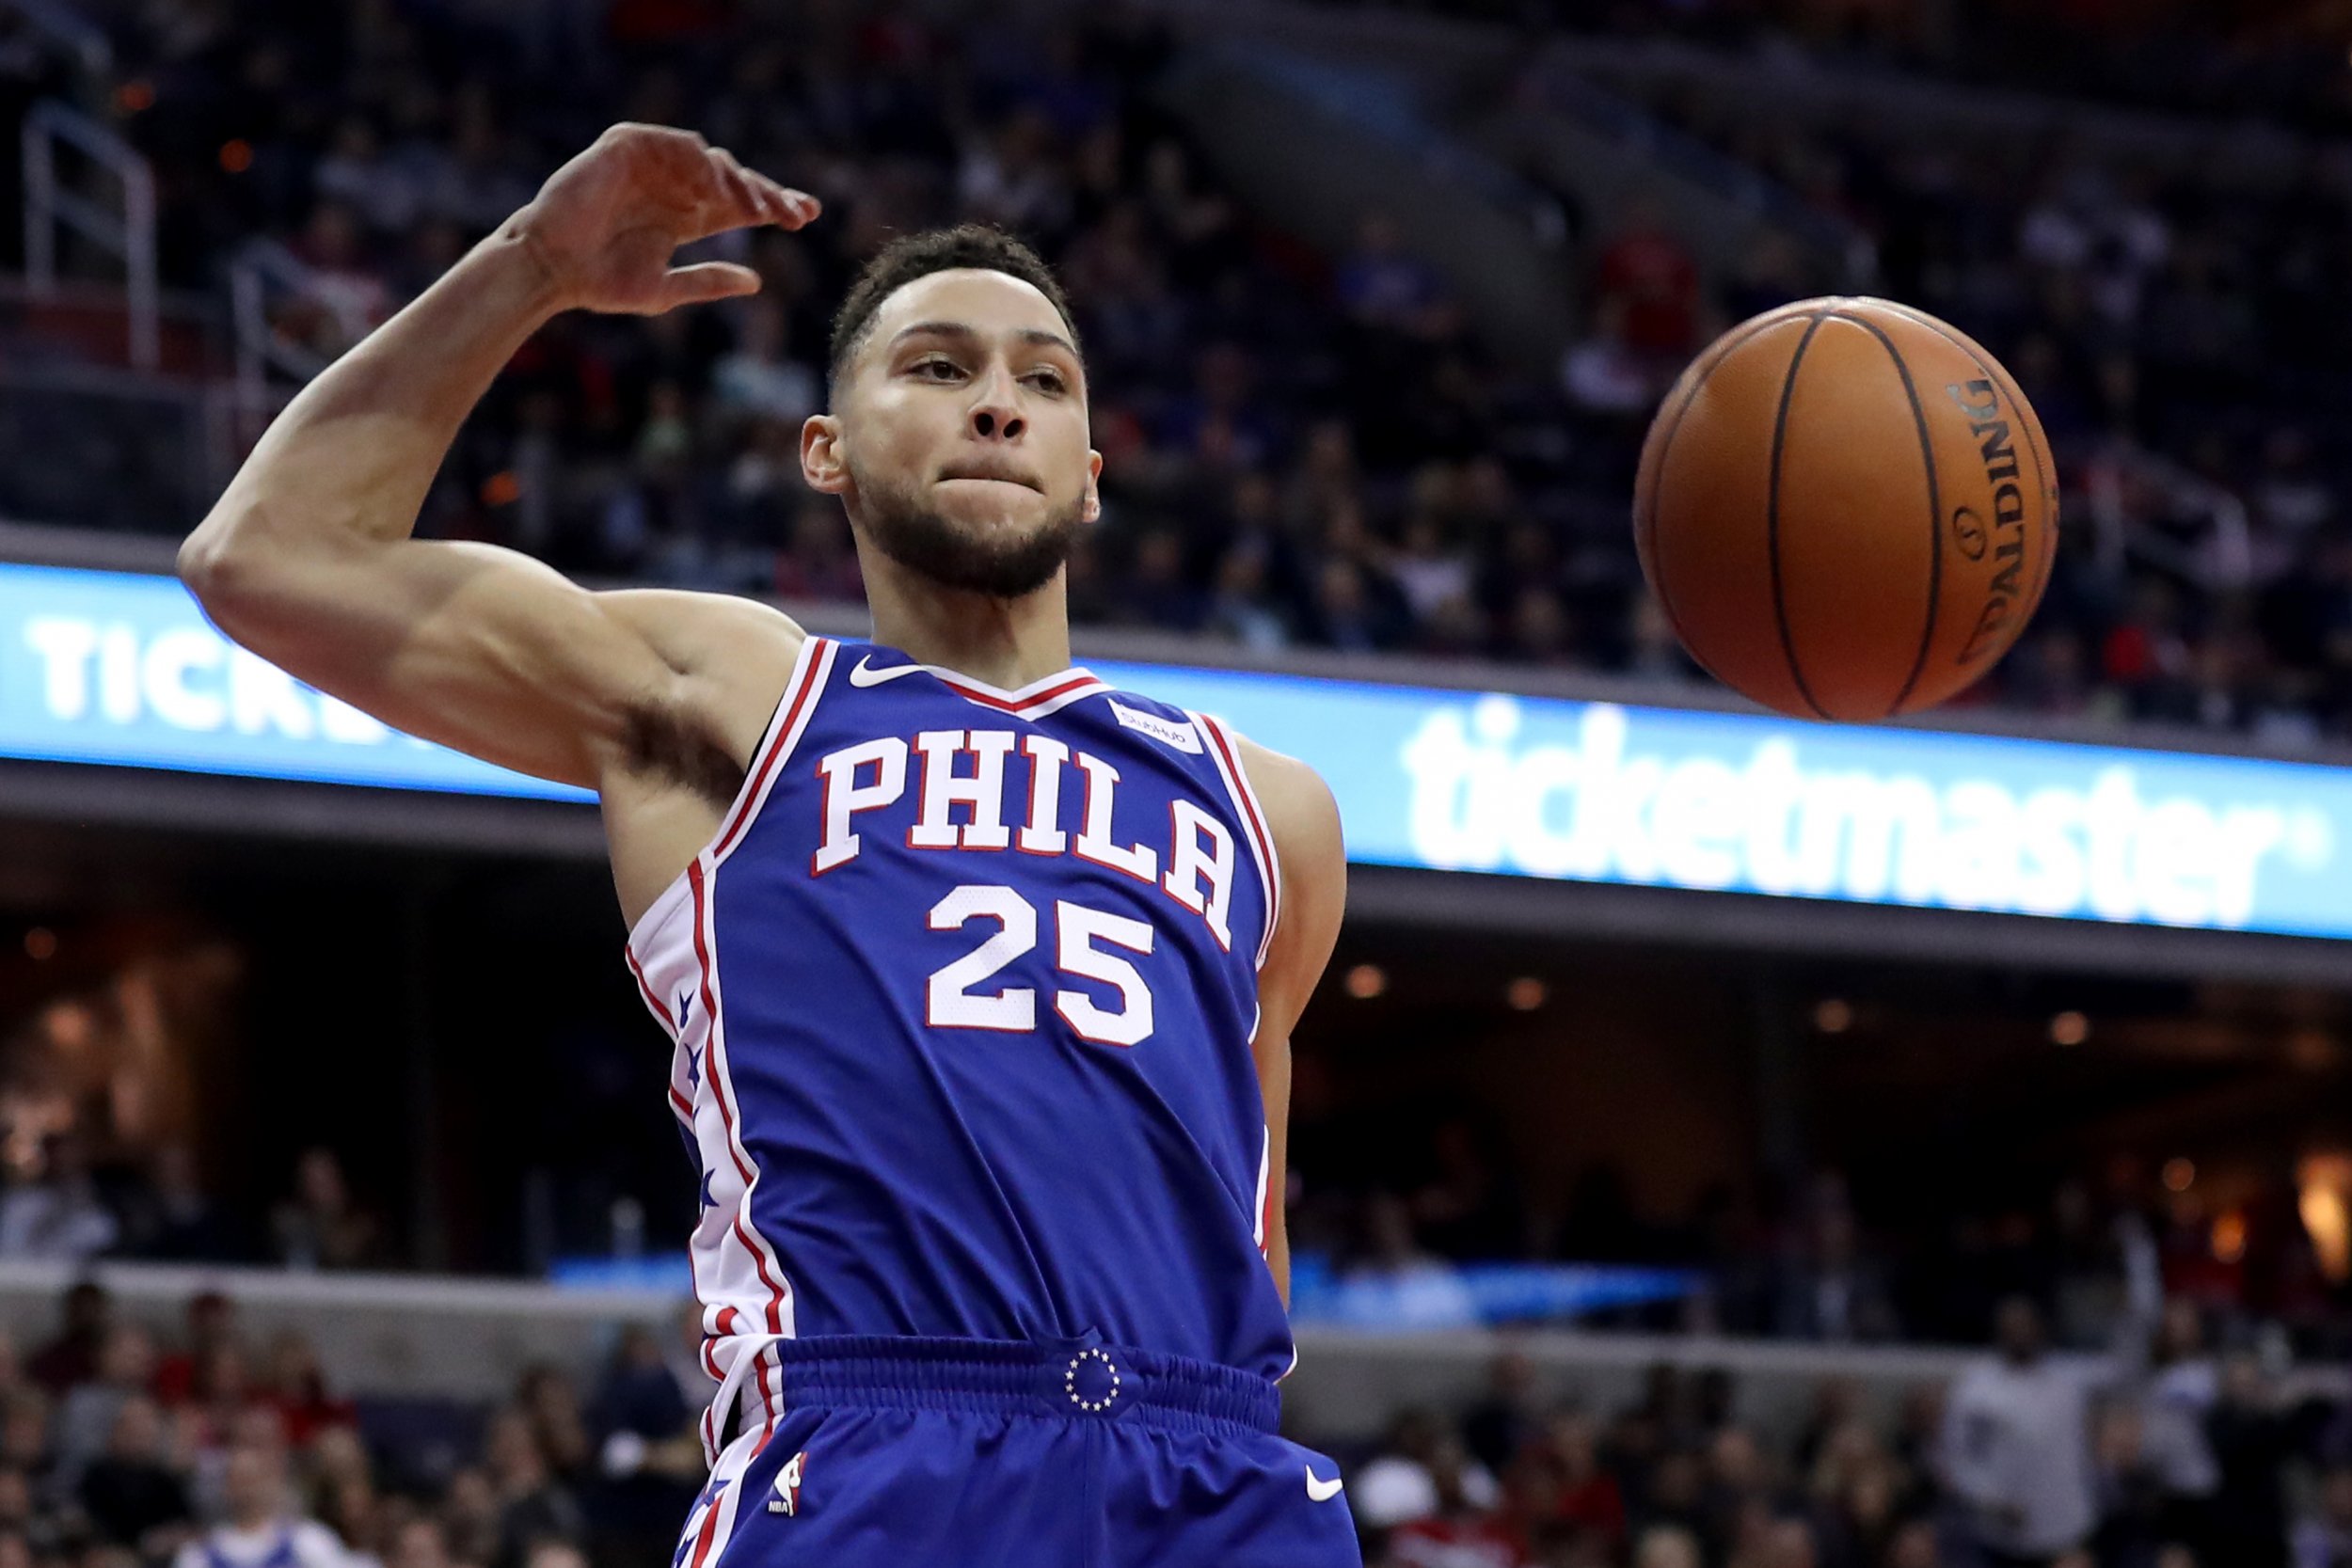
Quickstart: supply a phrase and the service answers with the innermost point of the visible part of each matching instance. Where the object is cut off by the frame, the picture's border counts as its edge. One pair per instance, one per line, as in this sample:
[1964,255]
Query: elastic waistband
[1081,1379]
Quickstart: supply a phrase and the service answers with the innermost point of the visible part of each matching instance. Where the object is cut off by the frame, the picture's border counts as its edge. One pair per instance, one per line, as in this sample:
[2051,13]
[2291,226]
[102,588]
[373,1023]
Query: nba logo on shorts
[787,1498]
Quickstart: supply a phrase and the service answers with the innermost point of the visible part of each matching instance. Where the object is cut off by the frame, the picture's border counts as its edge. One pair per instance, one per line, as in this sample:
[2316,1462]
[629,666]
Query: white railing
[69,31]
[127,233]
[375,1333]
[263,273]
[271,366]
[436,1336]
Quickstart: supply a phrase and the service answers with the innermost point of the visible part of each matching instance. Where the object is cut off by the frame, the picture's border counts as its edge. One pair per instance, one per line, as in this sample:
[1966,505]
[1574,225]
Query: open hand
[606,225]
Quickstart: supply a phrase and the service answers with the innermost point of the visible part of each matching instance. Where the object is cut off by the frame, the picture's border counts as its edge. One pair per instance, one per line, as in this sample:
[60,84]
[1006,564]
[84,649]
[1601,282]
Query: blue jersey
[963,996]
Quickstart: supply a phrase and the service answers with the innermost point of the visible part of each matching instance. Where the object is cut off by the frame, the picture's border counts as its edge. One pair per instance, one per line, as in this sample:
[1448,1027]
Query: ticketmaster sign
[1666,797]
[109,668]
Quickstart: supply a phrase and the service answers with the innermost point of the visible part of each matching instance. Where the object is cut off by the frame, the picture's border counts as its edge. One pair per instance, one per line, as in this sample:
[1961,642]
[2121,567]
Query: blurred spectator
[419,1542]
[1507,1419]
[88,1315]
[170,1218]
[1665,1546]
[2254,1435]
[1586,1499]
[1382,287]
[648,1458]
[319,1227]
[2173,1407]
[1398,1483]
[1462,1529]
[85,1420]
[758,379]
[341,1482]
[1395,1282]
[132,1497]
[297,1386]
[548,1397]
[2016,1445]
[1604,373]
[260,1527]
[59,1215]
[24,1448]
[531,1503]
[469,1514]
[1645,288]
[2322,1538]
[1829,1289]
[212,1323]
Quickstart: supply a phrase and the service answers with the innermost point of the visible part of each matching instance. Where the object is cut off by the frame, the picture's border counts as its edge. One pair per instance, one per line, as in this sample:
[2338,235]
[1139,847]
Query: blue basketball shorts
[960,1453]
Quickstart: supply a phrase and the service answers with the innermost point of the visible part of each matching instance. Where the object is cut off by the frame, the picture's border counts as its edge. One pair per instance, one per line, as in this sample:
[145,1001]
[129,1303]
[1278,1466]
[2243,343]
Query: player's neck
[1006,643]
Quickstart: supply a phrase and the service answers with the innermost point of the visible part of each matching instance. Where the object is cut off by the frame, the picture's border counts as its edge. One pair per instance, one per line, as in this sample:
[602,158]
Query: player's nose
[995,412]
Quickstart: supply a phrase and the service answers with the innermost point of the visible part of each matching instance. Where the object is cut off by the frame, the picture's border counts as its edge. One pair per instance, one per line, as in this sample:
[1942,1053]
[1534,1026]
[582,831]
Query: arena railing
[407,1336]
[52,204]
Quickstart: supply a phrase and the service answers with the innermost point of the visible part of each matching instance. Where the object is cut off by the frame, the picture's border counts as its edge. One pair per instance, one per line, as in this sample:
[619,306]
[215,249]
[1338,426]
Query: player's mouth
[991,471]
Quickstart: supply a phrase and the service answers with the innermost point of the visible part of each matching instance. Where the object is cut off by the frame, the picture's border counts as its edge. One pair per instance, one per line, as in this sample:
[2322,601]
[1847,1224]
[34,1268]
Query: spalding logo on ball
[1846,509]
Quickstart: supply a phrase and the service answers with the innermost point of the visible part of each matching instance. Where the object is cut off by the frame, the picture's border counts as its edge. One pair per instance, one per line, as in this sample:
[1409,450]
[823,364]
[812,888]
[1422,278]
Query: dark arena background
[1694,1094]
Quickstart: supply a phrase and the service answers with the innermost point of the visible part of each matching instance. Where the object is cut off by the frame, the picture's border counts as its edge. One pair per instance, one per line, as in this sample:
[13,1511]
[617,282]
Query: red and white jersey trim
[673,952]
[1048,695]
[1225,750]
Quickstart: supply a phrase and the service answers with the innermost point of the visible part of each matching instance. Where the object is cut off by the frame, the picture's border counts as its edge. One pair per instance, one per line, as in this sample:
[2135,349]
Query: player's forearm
[352,456]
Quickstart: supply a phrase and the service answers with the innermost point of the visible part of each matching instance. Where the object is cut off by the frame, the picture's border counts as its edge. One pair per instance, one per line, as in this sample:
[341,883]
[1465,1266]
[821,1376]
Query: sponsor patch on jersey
[1184,736]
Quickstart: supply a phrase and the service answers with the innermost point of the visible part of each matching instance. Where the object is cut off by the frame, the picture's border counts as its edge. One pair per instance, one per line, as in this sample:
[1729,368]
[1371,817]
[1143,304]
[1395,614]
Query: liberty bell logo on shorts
[788,1499]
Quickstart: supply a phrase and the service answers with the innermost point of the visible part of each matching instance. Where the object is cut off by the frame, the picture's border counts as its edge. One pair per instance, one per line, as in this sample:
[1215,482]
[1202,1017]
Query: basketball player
[981,975]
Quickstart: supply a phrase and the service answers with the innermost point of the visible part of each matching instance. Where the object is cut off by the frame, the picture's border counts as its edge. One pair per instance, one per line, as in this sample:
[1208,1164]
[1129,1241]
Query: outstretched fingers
[737,198]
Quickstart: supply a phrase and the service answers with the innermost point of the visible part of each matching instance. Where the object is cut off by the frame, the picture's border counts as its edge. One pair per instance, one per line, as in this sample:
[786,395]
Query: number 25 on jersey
[952,1003]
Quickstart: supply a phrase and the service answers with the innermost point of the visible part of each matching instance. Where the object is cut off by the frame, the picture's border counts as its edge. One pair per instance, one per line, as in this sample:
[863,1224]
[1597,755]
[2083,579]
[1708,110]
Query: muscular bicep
[479,648]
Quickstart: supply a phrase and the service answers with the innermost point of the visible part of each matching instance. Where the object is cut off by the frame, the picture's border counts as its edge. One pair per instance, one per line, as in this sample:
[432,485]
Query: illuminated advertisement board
[123,670]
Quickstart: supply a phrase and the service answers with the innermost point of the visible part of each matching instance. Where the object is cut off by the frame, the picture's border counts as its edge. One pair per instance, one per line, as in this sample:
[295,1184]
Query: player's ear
[1092,507]
[823,464]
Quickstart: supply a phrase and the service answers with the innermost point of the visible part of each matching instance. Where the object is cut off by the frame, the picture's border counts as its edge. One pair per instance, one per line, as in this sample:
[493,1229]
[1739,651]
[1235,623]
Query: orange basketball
[1846,509]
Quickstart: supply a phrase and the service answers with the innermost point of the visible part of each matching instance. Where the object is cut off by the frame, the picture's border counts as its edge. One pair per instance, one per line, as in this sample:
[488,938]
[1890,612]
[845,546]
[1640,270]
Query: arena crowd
[1303,447]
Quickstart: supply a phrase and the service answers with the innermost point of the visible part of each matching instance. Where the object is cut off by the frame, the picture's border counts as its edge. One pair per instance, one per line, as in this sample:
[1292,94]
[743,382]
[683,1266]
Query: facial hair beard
[995,560]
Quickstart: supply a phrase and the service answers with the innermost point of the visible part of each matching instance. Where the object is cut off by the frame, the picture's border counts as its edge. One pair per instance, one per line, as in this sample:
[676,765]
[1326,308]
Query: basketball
[1846,509]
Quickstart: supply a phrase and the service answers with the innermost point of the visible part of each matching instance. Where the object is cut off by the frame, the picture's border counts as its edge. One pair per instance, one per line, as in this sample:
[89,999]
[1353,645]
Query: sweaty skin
[964,400]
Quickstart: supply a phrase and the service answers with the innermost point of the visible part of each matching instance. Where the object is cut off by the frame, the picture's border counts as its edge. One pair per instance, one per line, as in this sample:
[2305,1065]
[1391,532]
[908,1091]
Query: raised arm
[1304,821]
[307,560]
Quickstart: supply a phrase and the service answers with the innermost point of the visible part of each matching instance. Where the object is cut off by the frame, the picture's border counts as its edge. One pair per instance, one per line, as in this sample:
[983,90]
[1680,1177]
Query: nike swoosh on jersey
[860,674]
[1323,1491]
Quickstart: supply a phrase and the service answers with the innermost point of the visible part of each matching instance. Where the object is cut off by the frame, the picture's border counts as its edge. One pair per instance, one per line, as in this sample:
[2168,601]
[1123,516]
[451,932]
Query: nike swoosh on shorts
[1323,1491]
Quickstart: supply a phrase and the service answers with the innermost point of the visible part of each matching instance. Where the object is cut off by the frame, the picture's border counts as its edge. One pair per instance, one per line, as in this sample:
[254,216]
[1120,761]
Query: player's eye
[922,367]
[1052,380]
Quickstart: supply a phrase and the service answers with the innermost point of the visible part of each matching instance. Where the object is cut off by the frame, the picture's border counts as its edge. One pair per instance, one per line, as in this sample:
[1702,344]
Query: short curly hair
[912,256]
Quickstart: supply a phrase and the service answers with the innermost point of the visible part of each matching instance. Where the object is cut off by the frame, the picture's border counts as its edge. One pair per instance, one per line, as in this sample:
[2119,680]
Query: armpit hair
[660,741]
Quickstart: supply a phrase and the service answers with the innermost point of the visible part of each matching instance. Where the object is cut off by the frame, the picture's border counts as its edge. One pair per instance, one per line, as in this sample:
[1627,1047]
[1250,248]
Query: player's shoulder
[695,630]
[1301,811]
[1303,818]
[727,657]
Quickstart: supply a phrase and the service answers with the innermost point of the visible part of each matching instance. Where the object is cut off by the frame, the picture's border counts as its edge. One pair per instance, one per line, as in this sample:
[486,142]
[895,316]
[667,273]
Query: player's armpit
[479,648]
